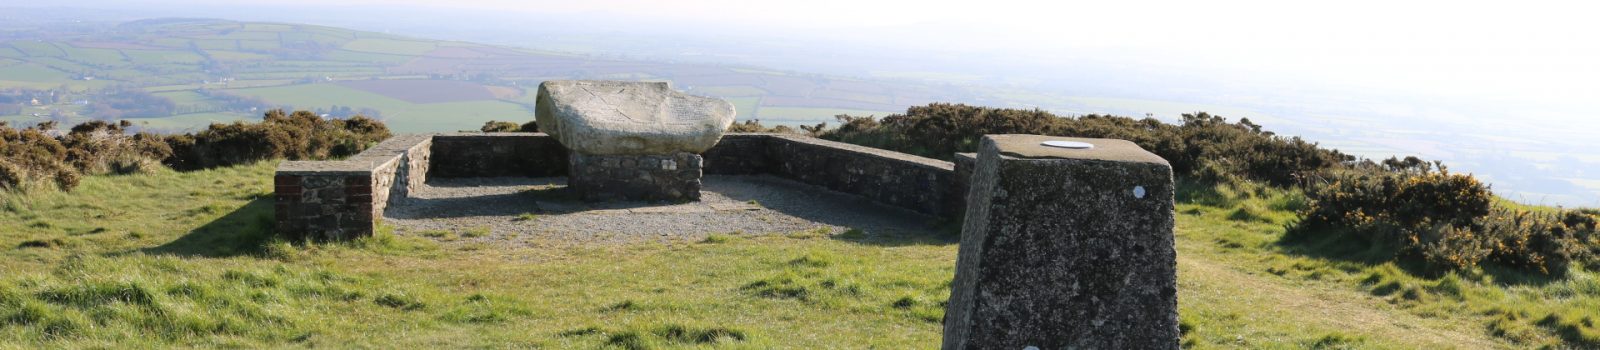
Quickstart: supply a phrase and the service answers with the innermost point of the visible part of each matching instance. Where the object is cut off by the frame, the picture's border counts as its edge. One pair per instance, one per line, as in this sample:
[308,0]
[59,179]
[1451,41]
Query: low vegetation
[40,157]
[1394,254]
[499,126]
[1411,209]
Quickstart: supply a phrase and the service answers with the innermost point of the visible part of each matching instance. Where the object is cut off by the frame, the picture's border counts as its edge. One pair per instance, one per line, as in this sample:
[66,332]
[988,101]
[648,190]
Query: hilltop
[177,73]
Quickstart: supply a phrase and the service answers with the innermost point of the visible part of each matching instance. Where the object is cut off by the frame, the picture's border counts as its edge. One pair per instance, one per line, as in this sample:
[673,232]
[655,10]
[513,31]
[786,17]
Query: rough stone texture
[956,201]
[739,154]
[497,154]
[337,200]
[893,178]
[595,117]
[1058,251]
[674,177]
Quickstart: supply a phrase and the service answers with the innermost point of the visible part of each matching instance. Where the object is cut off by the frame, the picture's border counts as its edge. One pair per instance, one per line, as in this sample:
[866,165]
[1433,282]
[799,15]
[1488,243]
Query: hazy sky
[1532,52]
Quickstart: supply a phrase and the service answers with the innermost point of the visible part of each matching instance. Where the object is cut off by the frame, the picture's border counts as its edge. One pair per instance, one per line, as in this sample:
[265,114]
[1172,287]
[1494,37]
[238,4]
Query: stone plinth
[1065,248]
[632,140]
[674,177]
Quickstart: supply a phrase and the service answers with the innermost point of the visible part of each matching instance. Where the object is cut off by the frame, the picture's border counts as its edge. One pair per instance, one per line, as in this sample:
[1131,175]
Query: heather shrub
[39,156]
[754,125]
[297,136]
[1203,146]
[499,126]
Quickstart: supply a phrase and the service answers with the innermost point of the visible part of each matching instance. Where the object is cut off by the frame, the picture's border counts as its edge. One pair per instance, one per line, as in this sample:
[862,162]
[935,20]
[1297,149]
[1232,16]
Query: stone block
[597,117]
[674,177]
[1065,249]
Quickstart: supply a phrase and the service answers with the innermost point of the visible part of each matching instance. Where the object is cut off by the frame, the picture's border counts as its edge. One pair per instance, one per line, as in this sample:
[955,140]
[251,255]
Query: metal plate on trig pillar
[1068,144]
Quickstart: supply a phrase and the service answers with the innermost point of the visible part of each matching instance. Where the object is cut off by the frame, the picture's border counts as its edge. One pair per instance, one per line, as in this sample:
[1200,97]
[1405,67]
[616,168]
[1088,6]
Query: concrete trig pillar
[1068,243]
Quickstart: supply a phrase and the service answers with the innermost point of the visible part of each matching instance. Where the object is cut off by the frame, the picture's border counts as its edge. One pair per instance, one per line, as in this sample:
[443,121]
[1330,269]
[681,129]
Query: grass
[187,260]
[527,217]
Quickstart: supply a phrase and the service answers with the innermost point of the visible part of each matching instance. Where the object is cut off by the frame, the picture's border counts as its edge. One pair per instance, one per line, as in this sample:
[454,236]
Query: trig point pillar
[1067,244]
[632,140]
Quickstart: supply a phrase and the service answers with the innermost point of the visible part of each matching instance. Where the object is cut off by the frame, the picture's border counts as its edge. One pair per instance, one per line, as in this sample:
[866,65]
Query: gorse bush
[40,156]
[1417,211]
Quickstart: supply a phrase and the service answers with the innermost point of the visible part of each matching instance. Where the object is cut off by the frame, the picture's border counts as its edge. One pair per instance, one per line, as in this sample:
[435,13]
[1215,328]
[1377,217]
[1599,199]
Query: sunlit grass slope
[187,259]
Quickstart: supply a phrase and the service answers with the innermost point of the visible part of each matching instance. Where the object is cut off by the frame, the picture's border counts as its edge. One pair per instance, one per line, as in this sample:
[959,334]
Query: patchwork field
[424,91]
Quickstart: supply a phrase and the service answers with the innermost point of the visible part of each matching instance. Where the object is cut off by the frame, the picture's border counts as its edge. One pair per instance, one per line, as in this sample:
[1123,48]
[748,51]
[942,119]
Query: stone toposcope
[594,117]
[1065,248]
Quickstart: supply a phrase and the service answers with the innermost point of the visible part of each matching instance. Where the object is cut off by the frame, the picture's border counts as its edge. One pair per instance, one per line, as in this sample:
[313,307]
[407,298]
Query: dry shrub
[298,136]
[39,156]
[32,157]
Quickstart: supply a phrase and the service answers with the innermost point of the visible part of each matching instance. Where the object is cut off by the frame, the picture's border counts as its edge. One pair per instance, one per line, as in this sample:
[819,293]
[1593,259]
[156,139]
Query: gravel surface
[539,211]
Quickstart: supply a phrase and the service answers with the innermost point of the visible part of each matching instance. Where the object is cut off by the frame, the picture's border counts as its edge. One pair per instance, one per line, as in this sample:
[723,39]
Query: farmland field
[423,91]
[402,116]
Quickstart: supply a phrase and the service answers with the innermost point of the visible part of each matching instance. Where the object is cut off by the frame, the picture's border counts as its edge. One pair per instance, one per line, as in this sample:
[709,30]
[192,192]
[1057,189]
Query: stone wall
[921,184]
[496,155]
[957,200]
[337,200]
[739,154]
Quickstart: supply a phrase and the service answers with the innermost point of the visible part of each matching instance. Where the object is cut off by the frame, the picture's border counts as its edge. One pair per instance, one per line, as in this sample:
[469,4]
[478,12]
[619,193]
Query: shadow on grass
[940,237]
[244,231]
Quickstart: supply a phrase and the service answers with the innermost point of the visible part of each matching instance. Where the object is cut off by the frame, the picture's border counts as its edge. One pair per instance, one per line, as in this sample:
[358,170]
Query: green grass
[38,49]
[188,259]
[810,114]
[29,72]
[163,57]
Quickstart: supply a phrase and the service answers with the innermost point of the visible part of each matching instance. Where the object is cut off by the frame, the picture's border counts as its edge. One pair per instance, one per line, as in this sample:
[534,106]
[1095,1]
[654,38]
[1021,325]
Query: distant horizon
[1496,100]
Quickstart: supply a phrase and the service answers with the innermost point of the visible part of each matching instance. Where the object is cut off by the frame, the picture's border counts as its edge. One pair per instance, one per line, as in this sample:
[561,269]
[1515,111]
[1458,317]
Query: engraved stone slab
[597,117]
